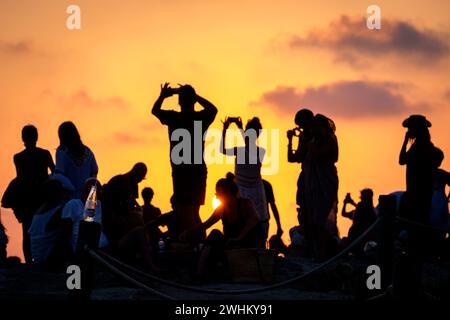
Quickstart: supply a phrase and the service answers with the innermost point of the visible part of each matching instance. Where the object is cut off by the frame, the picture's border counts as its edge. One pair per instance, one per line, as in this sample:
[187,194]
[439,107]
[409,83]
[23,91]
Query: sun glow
[215,203]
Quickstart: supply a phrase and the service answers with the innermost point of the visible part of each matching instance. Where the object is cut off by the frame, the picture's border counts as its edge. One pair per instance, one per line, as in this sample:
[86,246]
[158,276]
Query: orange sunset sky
[250,58]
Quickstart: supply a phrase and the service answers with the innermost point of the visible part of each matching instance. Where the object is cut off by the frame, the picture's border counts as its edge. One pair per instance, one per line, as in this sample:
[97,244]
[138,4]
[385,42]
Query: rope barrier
[246,291]
[126,277]
[421,225]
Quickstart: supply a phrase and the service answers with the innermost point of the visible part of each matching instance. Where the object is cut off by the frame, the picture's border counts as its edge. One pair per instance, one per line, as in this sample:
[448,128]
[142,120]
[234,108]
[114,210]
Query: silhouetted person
[3,244]
[241,225]
[32,167]
[439,204]
[419,189]
[169,220]
[49,233]
[321,187]
[247,167]
[304,120]
[149,211]
[419,167]
[122,218]
[363,216]
[188,170]
[270,199]
[119,197]
[73,159]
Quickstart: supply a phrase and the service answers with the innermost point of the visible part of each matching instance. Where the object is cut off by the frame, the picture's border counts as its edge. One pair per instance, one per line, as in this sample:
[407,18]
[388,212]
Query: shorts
[189,185]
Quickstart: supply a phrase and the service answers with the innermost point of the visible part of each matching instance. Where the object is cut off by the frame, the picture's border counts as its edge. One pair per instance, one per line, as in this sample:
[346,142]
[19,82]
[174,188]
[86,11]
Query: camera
[234,119]
[295,132]
[348,198]
[174,91]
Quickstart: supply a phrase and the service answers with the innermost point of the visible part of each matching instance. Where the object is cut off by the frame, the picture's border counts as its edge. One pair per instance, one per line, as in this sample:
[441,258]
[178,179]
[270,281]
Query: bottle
[161,245]
[90,205]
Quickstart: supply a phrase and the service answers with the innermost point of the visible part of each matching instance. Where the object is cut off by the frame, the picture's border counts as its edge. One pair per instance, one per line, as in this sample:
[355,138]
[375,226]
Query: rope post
[387,211]
[88,238]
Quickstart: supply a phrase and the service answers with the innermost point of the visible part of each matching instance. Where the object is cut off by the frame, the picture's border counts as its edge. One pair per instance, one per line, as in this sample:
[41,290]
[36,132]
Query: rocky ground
[344,280]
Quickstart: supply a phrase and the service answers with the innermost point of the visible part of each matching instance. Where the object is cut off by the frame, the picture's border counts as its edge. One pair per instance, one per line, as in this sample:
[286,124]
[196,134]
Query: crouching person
[50,233]
[242,227]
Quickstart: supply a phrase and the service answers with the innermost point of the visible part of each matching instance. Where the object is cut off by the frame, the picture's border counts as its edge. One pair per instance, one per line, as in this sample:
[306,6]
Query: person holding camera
[303,131]
[318,182]
[363,215]
[417,153]
[189,178]
[419,159]
[248,164]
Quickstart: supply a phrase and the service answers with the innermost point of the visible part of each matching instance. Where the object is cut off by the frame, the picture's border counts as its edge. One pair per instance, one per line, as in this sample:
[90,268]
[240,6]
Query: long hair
[69,137]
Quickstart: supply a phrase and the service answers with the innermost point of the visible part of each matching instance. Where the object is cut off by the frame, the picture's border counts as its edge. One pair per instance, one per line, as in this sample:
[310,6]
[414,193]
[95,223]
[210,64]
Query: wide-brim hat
[416,120]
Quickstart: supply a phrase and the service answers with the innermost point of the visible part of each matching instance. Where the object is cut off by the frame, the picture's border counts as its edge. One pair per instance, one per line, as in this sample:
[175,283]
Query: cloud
[128,138]
[16,48]
[82,99]
[350,99]
[151,126]
[141,132]
[350,41]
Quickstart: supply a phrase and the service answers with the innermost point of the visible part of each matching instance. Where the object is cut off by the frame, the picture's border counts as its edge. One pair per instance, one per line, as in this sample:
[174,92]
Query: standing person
[321,186]
[73,159]
[32,167]
[248,167]
[439,204]
[149,211]
[419,190]
[419,161]
[270,198]
[189,174]
[303,119]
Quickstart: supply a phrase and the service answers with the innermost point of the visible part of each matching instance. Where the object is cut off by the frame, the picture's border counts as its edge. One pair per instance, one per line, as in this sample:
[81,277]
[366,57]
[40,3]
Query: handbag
[10,197]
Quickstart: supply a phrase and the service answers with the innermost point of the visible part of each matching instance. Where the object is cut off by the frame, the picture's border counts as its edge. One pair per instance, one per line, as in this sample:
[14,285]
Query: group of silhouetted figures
[49,199]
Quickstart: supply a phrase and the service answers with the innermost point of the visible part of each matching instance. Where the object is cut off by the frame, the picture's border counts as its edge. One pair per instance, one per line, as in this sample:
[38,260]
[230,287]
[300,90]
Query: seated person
[119,203]
[74,210]
[149,211]
[169,220]
[241,225]
[49,233]
[363,215]
[122,218]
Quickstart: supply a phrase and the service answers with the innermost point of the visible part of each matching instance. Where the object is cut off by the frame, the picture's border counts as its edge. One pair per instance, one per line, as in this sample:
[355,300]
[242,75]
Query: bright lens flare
[215,203]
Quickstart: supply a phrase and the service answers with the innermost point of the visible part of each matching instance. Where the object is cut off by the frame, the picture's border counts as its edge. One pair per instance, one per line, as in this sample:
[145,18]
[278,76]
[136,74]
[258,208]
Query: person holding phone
[188,177]
[247,168]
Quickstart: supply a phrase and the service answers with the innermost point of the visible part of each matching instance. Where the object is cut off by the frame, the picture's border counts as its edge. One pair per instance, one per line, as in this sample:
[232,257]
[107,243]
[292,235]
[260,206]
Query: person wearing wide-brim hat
[419,188]
[418,158]
[416,121]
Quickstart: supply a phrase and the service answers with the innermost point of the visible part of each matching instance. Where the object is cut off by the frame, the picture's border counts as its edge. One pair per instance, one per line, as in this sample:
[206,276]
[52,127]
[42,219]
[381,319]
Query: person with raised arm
[247,167]
[189,170]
